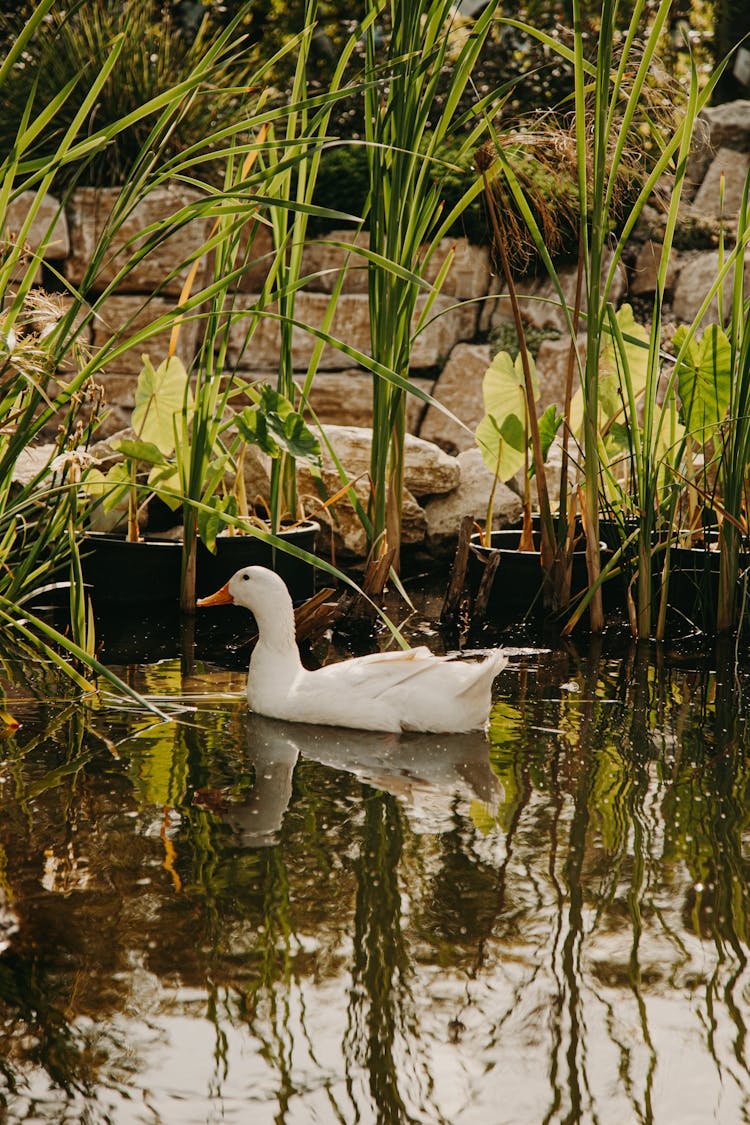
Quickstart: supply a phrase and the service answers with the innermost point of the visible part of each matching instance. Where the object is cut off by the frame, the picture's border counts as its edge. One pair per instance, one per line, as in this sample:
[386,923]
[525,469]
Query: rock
[428,470]
[729,125]
[459,389]
[720,126]
[125,316]
[698,273]
[350,325]
[89,210]
[340,523]
[469,275]
[322,262]
[256,250]
[31,461]
[50,220]
[540,301]
[644,273]
[552,371]
[344,398]
[470,498]
[733,166]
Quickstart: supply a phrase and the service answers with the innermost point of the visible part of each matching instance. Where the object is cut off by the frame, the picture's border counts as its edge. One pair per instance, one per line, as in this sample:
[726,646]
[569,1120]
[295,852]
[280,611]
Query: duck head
[256,588]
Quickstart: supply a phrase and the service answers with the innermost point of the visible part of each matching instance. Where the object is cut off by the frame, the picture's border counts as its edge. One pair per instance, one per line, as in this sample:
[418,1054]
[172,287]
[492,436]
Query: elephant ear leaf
[276,427]
[501,434]
[160,394]
[703,379]
[549,424]
[253,429]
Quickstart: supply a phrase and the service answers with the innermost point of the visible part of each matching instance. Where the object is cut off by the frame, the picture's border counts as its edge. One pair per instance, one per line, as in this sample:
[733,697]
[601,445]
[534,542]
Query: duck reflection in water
[431,774]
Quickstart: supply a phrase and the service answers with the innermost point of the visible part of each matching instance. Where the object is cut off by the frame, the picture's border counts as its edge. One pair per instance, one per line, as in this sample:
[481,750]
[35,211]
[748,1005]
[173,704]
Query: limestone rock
[470,498]
[540,301]
[350,325]
[344,398]
[459,389]
[256,250]
[698,274]
[720,126]
[49,219]
[469,275]
[31,461]
[644,273]
[552,371]
[733,166]
[125,316]
[428,470]
[89,210]
[340,525]
[729,124]
[322,262]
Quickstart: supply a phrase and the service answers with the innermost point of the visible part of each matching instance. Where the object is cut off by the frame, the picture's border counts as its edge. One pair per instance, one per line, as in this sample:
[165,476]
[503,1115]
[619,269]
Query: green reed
[406,137]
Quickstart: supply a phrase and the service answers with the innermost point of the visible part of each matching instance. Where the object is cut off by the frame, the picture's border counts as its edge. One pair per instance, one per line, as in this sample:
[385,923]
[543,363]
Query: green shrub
[155,57]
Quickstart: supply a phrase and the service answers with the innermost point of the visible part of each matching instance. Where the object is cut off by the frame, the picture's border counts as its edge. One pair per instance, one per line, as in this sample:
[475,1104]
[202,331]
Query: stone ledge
[49,219]
[351,325]
[89,210]
[127,315]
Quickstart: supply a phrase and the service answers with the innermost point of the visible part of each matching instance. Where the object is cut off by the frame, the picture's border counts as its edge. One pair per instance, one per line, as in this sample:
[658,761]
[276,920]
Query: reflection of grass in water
[382,1030]
[624,798]
[625,763]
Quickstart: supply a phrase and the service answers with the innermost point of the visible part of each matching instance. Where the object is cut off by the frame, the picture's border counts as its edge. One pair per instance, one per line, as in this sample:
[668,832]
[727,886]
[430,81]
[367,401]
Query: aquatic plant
[405,148]
[615,99]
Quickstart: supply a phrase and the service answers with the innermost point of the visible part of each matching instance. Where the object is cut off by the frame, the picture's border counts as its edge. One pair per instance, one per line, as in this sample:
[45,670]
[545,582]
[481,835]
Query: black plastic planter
[148,572]
[122,573]
[516,591]
[235,551]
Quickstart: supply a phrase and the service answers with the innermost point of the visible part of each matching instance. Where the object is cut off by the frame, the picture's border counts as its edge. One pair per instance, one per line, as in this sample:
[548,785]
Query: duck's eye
[245,577]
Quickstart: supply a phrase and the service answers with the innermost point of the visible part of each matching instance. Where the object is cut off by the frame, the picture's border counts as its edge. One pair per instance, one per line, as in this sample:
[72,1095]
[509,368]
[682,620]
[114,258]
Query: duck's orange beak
[221,597]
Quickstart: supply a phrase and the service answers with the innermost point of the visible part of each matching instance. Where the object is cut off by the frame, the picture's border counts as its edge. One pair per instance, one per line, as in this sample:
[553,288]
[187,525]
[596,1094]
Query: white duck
[394,691]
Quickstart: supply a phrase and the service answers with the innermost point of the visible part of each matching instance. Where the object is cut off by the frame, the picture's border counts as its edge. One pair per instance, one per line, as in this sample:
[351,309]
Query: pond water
[221,918]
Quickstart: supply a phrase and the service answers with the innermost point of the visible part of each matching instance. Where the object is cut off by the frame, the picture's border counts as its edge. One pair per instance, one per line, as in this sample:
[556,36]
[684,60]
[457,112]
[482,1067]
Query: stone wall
[452,353]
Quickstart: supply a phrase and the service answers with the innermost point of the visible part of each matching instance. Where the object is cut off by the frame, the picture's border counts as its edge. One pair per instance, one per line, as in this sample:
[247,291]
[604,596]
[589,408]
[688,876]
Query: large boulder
[428,471]
[445,513]
[459,390]
[340,527]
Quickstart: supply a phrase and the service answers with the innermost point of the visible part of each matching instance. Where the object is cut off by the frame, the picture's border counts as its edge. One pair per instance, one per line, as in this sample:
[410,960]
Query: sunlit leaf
[704,378]
[501,434]
[138,450]
[160,394]
[615,371]
[110,488]
[210,522]
[549,424]
[275,427]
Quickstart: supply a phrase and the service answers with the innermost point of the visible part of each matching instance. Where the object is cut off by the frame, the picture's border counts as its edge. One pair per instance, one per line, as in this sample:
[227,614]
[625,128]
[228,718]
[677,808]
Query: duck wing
[384,674]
